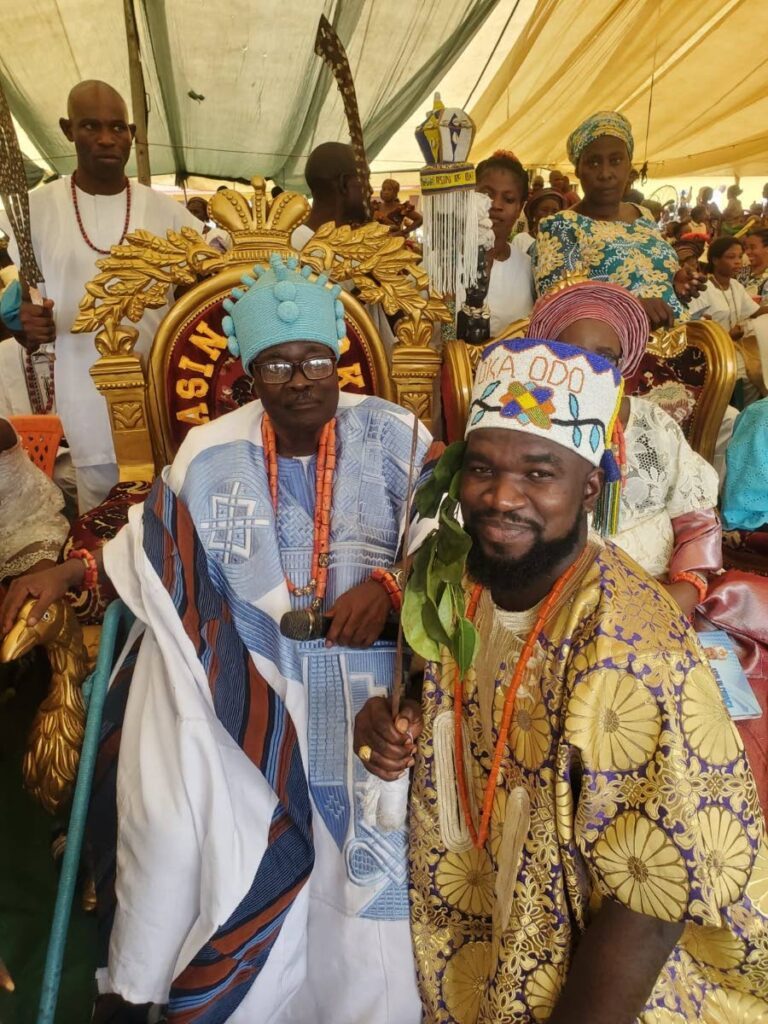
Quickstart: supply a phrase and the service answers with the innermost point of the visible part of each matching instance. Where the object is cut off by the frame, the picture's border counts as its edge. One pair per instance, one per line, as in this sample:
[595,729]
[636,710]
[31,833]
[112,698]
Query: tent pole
[138,94]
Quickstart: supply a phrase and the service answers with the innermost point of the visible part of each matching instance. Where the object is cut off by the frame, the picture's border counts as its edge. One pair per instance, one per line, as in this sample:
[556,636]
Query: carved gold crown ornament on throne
[192,378]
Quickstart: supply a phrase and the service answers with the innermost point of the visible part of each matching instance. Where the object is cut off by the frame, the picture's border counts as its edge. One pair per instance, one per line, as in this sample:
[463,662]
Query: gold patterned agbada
[623,778]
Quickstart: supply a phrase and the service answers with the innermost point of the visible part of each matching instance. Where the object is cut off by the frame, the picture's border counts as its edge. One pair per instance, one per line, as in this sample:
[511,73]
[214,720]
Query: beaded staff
[13,191]
[330,48]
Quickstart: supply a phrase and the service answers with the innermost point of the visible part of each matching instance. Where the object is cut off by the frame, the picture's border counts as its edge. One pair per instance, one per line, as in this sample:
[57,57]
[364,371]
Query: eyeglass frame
[294,365]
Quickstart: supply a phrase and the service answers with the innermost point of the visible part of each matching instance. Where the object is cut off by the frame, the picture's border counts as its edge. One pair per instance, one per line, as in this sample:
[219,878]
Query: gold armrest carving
[53,752]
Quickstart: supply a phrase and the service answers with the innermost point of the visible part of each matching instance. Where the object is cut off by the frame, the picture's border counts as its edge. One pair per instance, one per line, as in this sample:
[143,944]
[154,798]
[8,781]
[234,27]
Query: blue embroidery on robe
[250,550]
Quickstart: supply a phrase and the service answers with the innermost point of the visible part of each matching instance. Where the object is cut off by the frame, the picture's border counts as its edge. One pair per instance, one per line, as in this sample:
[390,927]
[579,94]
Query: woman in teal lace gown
[606,239]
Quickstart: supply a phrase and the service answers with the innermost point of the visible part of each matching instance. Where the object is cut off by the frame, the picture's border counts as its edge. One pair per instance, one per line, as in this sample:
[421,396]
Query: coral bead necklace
[479,836]
[326,464]
[84,233]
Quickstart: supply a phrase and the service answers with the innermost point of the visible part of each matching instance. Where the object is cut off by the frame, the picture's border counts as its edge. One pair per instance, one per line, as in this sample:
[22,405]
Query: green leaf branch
[434,605]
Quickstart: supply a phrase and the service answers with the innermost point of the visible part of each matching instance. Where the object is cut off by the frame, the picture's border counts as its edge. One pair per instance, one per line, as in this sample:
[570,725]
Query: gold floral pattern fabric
[634,256]
[637,789]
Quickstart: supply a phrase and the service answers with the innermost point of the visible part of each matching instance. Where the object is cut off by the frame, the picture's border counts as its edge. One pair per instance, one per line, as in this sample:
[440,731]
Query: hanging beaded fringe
[613,464]
[451,239]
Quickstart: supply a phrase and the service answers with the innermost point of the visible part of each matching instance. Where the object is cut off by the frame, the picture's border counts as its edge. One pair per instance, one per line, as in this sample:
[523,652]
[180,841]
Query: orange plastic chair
[40,437]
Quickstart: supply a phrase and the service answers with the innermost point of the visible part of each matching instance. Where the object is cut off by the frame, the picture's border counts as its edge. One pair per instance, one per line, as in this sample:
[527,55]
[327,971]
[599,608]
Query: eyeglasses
[280,371]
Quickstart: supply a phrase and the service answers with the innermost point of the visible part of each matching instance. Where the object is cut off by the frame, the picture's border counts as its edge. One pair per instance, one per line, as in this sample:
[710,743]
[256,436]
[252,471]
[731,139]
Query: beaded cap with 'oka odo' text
[280,304]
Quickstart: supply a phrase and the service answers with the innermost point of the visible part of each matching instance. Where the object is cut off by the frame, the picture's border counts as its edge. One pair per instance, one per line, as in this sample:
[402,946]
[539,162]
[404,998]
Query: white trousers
[93,485]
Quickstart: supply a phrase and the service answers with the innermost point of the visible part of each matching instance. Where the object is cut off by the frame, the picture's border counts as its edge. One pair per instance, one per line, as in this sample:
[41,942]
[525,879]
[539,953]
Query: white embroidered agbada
[67,264]
[194,811]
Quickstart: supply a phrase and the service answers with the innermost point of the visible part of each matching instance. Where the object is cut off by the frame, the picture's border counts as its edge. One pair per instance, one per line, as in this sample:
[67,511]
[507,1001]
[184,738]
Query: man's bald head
[333,180]
[327,162]
[97,123]
[93,92]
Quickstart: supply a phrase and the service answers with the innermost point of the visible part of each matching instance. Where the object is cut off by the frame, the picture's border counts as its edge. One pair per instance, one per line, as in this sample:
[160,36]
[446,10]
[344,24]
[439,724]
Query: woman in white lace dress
[32,527]
[665,479]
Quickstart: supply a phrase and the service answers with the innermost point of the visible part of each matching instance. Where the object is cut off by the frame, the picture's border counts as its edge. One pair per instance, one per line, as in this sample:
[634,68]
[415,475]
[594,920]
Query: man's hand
[617,964]
[392,743]
[659,313]
[359,616]
[687,288]
[47,586]
[685,594]
[37,323]
[736,332]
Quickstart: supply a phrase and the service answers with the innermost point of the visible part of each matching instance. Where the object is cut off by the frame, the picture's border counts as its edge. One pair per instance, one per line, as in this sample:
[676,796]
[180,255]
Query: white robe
[67,264]
[193,810]
[731,307]
[510,292]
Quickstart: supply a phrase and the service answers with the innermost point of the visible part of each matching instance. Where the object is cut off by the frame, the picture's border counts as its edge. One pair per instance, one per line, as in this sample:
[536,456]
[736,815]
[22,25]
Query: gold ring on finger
[365,753]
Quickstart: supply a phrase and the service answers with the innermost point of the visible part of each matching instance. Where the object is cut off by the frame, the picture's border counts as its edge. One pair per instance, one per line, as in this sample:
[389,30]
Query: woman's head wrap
[604,122]
[595,300]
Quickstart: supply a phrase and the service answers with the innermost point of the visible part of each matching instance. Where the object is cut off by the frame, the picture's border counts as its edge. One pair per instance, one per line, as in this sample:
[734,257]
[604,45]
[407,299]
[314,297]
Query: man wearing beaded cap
[585,839]
[254,881]
[75,220]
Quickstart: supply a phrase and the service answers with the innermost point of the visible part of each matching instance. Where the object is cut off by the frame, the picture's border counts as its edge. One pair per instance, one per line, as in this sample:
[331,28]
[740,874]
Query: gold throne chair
[190,376]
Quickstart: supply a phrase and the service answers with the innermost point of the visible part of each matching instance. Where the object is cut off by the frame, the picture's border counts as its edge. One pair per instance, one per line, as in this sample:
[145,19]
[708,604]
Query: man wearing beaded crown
[585,838]
[75,221]
[254,881]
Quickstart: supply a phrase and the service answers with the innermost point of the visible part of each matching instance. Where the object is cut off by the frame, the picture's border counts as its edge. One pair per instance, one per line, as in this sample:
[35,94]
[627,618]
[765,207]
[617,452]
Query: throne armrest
[92,531]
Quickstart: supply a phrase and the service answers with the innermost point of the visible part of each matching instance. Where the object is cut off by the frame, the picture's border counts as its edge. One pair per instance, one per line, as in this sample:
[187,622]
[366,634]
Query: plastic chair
[117,622]
[40,437]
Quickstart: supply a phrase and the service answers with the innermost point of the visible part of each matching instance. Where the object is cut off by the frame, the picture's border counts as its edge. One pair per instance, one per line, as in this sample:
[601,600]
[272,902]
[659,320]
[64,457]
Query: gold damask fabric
[623,777]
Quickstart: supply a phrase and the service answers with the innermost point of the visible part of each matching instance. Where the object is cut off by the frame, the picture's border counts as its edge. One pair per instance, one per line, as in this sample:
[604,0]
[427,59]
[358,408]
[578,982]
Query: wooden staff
[13,192]
[330,48]
[397,682]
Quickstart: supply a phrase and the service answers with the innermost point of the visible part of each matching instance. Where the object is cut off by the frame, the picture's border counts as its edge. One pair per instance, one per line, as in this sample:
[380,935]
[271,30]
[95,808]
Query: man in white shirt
[337,192]
[75,221]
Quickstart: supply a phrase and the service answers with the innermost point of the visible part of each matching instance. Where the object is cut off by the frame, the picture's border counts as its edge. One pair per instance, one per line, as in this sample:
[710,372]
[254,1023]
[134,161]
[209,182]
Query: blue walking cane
[117,621]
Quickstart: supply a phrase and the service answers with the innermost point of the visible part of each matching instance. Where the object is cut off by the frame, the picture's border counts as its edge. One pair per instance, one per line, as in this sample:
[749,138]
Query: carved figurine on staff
[400,217]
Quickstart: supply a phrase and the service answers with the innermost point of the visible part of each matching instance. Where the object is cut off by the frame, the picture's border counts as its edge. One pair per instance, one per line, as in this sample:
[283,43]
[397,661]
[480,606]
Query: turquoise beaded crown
[278,304]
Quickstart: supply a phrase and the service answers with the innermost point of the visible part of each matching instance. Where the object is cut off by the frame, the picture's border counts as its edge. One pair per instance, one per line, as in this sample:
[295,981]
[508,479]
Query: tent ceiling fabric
[710,106]
[268,99]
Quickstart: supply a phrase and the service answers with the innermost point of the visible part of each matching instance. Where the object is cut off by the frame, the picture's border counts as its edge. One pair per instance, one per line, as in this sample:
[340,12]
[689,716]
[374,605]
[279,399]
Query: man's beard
[498,573]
